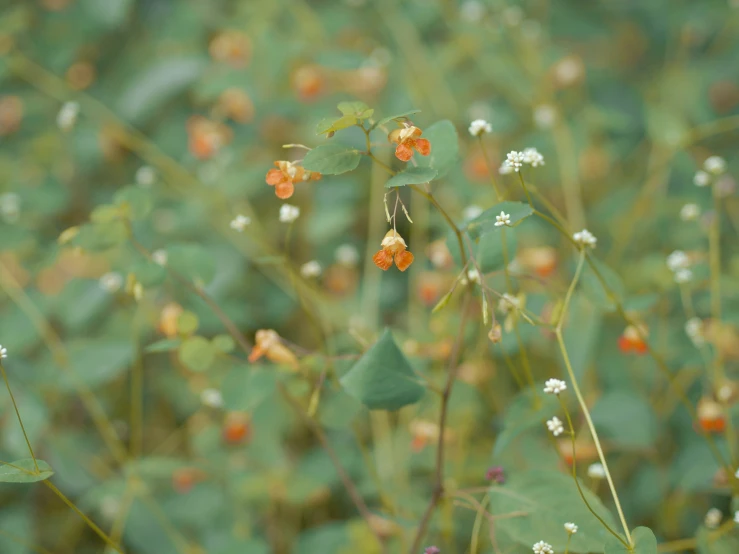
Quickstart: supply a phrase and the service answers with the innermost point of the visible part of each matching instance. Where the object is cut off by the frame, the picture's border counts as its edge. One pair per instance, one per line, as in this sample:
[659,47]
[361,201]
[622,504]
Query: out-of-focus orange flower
[232,47]
[631,339]
[393,249]
[236,428]
[542,260]
[340,279]
[206,137]
[11,114]
[286,175]
[426,432]
[431,285]
[407,140]
[711,417]
[80,75]
[236,105]
[309,82]
[438,253]
[184,478]
[168,319]
[269,344]
[584,451]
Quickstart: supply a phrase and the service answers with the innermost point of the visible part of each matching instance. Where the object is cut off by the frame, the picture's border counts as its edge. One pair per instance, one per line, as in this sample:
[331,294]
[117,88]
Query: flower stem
[491,172]
[525,190]
[18,415]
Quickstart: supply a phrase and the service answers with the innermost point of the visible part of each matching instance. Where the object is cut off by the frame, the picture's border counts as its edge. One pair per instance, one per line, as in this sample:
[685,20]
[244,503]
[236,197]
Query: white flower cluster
[585,238]
[554,386]
[690,212]
[159,257]
[480,127]
[508,303]
[3,352]
[347,254]
[10,207]
[714,166]
[596,471]
[713,518]
[311,269]
[694,330]
[571,528]
[502,219]
[240,222]
[532,157]
[146,176]
[289,213]
[515,160]
[555,426]
[542,547]
[679,263]
[67,116]
[473,276]
[111,282]
[211,398]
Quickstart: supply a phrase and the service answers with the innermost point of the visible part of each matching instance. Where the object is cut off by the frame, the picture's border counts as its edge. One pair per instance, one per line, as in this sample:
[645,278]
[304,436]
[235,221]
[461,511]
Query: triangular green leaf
[389,118]
[383,378]
[485,222]
[332,159]
[24,471]
[332,124]
[444,147]
[525,412]
[197,353]
[411,176]
[644,543]
[358,110]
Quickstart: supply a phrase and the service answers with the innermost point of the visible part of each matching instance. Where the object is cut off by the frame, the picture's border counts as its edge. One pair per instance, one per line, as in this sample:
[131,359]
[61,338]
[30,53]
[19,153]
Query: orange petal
[640,347]
[403,260]
[383,259]
[423,146]
[275,177]
[284,190]
[256,353]
[624,344]
[314,176]
[403,152]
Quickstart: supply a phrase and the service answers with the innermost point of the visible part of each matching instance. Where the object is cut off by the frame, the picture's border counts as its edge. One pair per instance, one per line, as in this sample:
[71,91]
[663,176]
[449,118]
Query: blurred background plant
[141,251]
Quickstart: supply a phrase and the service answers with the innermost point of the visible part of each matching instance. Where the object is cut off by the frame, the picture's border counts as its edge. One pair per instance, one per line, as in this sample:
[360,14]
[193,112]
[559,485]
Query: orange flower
[269,344]
[236,428]
[168,319]
[184,478]
[231,47]
[711,416]
[542,260]
[631,340]
[206,137]
[407,139]
[393,249]
[283,179]
[309,82]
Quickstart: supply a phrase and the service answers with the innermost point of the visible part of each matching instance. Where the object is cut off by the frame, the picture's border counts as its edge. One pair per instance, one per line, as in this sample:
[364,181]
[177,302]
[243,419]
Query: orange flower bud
[183,479]
[168,319]
[631,340]
[236,428]
[407,140]
[711,417]
[232,47]
[206,137]
[269,344]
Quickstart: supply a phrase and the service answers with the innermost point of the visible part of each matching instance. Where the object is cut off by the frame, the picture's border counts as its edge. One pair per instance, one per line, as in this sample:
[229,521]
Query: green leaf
[411,176]
[332,159]
[383,378]
[528,409]
[711,542]
[97,237]
[99,361]
[148,273]
[25,471]
[593,288]
[485,222]
[197,353]
[224,343]
[332,124]
[135,202]
[626,419]
[165,345]
[490,250]
[193,261]
[444,147]
[244,389]
[644,543]
[187,323]
[581,333]
[358,110]
[401,115]
[337,410]
[543,501]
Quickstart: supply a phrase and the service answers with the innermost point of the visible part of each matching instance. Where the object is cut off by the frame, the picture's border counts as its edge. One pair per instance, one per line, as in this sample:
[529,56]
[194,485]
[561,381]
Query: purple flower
[495,473]
[432,550]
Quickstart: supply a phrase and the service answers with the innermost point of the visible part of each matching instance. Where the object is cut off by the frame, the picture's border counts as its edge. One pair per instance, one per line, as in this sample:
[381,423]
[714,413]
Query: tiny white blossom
[715,165]
[473,276]
[110,507]
[310,269]
[678,260]
[347,254]
[737,474]
[690,212]
[515,159]
[545,116]
[240,222]
[571,528]
[533,157]
[508,303]
[212,398]
[3,352]
[596,471]
[554,386]
[683,276]
[10,207]
[694,330]
[479,127]
[542,547]
[713,518]
[471,212]
[701,179]
[736,517]
[289,213]
[159,257]
[111,282]
[145,176]
[555,426]
[585,238]
[67,116]
[506,168]
[502,219]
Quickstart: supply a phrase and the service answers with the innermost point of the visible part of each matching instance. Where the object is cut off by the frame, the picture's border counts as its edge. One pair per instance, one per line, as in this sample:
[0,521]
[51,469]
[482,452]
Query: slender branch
[499,196]
[18,416]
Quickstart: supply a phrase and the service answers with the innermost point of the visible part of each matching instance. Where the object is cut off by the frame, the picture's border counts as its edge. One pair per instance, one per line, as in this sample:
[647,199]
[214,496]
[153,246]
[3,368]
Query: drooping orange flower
[184,478]
[542,260]
[269,344]
[206,137]
[631,340]
[310,82]
[231,47]
[407,139]
[393,249]
[285,177]
[236,428]
[711,416]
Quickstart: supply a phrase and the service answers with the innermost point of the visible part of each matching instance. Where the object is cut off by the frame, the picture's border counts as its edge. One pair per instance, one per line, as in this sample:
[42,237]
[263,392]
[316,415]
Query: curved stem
[525,190]
[18,416]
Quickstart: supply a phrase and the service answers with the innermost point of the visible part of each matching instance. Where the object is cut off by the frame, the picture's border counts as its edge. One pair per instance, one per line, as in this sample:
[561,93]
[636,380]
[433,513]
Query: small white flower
[701,179]
[10,207]
[690,212]
[310,269]
[471,11]
[596,471]
[533,157]
[506,168]
[347,254]
[542,547]
[3,352]
[110,507]
[289,213]
[585,238]
[737,474]
[554,386]
[145,176]
[159,257]
[473,276]
[479,127]
[571,528]
[240,222]
[555,426]
[515,159]
[111,282]
[715,165]
[212,398]
[502,219]
[736,517]
[713,518]
[545,116]
[694,330]
[683,276]
[137,291]
[67,116]
[678,260]
[471,212]
[508,303]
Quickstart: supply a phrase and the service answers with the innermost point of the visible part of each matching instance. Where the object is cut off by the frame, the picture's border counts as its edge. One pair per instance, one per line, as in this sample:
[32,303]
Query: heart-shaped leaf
[402,115]
[332,159]
[197,353]
[485,222]
[24,471]
[644,543]
[444,147]
[411,176]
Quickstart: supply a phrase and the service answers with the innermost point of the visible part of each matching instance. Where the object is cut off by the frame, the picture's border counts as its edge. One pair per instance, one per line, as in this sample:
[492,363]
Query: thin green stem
[491,171]
[478,523]
[18,415]
[525,190]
